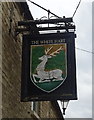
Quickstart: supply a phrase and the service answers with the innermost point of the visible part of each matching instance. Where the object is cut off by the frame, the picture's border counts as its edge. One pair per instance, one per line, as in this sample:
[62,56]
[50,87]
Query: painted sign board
[48,67]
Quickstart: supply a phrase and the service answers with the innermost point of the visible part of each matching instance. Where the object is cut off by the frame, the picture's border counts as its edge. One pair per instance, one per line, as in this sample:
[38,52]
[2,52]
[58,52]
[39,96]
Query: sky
[81,108]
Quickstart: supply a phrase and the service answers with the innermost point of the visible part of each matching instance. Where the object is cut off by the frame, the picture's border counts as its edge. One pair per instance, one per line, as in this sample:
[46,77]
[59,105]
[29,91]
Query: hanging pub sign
[48,67]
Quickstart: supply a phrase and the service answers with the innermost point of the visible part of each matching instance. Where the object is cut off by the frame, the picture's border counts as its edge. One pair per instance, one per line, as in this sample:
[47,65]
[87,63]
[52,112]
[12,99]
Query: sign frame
[68,90]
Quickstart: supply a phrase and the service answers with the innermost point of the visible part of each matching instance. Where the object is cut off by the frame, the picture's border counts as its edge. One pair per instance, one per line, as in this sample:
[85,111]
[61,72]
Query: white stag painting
[49,64]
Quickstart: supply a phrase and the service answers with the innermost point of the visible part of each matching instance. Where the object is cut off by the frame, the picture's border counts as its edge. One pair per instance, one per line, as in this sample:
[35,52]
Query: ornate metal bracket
[65,24]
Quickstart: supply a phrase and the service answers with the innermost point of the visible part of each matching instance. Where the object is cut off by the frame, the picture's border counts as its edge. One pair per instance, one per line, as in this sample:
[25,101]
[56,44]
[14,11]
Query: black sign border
[29,92]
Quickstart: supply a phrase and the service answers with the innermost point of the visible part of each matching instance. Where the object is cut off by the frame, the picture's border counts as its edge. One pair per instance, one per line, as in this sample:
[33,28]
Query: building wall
[48,110]
[11,64]
[0,61]
[10,68]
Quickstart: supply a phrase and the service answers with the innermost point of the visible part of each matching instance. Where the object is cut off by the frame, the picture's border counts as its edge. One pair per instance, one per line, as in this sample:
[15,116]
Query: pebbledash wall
[10,67]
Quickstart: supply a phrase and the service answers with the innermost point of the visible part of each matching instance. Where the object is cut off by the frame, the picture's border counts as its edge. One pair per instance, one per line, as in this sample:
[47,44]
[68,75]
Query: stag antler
[57,51]
[48,49]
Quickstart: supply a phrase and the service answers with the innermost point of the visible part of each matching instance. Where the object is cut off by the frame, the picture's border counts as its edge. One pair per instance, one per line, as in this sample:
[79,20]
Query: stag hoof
[58,79]
[45,80]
